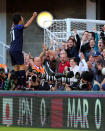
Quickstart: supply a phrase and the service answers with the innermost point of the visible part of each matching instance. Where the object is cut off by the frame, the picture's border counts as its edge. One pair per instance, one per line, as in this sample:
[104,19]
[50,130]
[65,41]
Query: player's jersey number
[12,35]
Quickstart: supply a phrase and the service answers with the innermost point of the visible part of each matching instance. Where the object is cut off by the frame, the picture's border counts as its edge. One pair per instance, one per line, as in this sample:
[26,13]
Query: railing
[4,51]
[3,48]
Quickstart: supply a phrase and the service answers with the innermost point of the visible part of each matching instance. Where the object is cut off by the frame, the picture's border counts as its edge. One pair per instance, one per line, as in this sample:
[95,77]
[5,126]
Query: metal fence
[3,52]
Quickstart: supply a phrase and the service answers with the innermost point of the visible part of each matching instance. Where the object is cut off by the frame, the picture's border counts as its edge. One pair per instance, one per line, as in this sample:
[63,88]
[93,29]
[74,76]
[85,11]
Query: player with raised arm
[16,54]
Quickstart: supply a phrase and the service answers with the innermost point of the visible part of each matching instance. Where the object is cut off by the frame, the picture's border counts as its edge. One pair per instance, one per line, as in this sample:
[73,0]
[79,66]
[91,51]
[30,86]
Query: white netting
[3,50]
[60,30]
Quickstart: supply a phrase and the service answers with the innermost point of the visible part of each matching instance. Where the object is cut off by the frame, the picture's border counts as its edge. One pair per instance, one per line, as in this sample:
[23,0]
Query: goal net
[60,30]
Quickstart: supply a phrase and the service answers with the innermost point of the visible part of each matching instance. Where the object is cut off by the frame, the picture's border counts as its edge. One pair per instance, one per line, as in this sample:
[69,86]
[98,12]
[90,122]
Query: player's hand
[35,14]
[44,47]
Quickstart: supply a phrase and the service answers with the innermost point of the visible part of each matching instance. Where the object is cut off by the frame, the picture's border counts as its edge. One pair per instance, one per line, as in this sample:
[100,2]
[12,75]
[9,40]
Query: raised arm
[30,20]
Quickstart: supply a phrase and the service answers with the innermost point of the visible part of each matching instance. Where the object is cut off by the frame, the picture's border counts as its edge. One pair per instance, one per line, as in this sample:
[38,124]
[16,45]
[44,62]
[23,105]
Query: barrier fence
[71,110]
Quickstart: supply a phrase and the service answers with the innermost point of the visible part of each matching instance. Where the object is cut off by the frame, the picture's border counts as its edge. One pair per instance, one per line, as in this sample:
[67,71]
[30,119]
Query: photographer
[35,81]
[86,79]
[85,82]
[11,82]
[32,82]
[61,80]
[2,78]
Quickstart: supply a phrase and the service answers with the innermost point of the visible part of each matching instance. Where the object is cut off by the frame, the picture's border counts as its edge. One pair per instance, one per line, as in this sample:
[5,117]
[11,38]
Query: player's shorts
[17,58]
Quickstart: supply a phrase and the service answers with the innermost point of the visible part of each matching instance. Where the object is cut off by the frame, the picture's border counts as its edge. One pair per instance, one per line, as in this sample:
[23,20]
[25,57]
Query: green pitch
[34,129]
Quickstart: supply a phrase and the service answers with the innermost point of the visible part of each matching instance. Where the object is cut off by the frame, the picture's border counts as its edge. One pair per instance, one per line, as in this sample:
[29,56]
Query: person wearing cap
[97,56]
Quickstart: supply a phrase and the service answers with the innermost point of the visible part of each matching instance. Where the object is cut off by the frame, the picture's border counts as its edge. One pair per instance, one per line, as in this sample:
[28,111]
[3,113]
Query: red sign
[56,113]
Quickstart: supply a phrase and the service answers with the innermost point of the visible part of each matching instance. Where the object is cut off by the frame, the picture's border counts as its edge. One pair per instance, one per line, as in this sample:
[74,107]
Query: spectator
[100,65]
[102,34]
[103,85]
[82,64]
[11,82]
[63,63]
[77,40]
[71,49]
[64,45]
[100,45]
[90,62]
[37,65]
[2,78]
[85,42]
[91,49]
[75,68]
[58,51]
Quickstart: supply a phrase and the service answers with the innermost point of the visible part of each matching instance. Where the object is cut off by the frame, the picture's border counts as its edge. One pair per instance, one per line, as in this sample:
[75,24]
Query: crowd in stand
[77,64]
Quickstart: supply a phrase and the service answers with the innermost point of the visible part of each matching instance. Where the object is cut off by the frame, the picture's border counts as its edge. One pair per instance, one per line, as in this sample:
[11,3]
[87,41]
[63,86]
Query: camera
[77,75]
[68,74]
[33,78]
[83,81]
[13,75]
[83,85]
[65,78]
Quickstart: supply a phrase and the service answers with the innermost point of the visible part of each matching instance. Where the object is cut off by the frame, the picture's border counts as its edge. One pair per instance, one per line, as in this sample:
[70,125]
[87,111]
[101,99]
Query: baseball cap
[96,87]
[97,53]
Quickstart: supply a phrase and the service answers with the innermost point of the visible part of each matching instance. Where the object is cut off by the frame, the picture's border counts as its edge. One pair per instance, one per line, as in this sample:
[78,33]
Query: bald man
[37,65]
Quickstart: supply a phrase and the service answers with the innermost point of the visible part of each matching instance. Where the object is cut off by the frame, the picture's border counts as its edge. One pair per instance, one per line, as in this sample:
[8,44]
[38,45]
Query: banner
[76,110]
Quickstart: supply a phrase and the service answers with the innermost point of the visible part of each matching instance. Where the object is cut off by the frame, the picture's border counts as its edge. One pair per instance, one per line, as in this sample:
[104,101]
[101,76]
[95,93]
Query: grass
[33,129]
